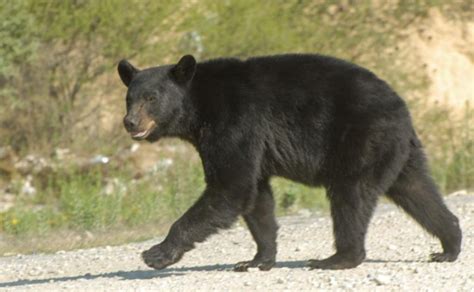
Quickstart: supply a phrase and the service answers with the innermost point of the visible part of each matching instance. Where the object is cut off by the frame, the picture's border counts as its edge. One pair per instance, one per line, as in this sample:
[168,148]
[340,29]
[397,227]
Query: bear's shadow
[153,274]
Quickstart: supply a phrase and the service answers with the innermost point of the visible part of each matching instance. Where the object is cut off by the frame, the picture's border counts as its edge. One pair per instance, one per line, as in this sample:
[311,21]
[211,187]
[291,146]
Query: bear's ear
[126,71]
[184,70]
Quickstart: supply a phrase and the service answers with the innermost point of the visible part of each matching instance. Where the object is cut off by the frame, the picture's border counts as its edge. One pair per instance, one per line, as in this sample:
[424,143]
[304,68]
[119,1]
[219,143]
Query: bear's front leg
[263,227]
[162,255]
[214,210]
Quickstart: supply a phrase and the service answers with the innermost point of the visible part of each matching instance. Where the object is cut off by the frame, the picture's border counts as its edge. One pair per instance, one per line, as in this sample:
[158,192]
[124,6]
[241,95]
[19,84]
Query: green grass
[291,196]
[449,144]
[75,206]
[78,202]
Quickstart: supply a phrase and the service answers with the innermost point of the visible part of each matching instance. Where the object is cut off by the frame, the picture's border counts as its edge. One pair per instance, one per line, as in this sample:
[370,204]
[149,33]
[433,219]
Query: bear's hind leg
[416,193]
[263,227]
[351,211]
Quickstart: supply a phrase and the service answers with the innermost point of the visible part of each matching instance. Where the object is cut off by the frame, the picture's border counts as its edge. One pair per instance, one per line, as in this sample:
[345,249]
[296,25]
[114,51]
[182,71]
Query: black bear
[313,119]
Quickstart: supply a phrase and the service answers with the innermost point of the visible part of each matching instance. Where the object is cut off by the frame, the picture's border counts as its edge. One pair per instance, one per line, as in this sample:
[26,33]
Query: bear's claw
[262,265]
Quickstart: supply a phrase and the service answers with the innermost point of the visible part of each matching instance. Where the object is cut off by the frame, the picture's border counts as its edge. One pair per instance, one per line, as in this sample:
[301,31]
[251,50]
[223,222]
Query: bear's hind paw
[442,257]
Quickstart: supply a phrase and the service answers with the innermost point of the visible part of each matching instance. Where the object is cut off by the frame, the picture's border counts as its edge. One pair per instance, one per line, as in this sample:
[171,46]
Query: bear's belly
[305,171]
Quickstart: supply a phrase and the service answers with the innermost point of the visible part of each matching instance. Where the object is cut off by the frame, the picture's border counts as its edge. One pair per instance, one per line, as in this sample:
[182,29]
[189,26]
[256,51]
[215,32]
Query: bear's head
[155,97]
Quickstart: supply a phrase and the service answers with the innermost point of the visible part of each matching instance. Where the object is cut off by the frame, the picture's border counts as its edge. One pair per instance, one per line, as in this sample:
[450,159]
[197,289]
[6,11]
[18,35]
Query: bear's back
[298,85]
[304,107]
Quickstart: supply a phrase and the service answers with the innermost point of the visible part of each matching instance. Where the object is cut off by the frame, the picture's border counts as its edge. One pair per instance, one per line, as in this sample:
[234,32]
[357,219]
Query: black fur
[313,119]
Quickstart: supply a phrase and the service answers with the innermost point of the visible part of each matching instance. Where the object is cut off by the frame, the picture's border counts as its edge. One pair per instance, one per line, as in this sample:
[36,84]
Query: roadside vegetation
[59,90]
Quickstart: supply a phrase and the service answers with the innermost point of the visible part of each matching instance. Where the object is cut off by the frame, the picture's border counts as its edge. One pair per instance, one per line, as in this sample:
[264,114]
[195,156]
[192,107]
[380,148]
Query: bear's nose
[130,123]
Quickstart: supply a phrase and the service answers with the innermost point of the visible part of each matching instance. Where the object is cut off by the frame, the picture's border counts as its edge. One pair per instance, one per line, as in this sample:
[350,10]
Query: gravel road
[397,253]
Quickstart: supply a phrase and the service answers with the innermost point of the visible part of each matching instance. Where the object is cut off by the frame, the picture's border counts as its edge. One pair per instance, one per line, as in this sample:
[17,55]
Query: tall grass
[449,142]
[80,201]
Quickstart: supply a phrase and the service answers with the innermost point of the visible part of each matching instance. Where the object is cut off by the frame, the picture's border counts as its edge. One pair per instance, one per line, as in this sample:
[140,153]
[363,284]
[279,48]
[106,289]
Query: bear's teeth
[141,134]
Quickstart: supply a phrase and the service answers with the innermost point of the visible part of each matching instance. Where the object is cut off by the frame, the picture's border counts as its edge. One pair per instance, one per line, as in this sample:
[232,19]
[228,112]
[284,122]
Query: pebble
[35,272]
[382,279]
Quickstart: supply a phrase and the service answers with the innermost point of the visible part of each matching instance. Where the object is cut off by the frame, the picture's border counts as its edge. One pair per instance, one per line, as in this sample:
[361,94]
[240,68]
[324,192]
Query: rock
[99,159]
[304,213]
[89,235]
[459,193]
[161,165]
[7,201]
[32,164]
[27,187]
[135,147]
[63,154]
[35,272]
[333,9]
[382,279]
[114,186]
[347,286]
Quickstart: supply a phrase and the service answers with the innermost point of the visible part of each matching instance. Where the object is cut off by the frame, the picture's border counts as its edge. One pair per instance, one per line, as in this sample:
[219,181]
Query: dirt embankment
[444,49]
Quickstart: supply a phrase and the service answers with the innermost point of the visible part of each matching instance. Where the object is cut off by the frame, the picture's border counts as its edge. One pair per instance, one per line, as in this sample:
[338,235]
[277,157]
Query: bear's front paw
[160,256]
[262,265]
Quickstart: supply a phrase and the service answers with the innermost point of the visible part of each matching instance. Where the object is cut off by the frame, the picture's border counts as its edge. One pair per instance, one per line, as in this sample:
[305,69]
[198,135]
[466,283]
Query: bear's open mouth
[143,134]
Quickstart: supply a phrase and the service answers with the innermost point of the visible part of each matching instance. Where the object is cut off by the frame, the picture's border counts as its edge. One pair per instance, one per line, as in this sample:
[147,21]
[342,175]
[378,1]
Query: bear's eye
[150,98]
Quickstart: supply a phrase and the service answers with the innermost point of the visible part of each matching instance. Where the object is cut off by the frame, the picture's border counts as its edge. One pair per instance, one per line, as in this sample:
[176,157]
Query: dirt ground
[397,259]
